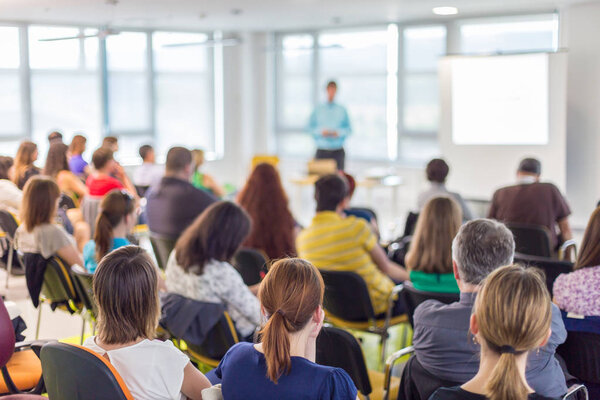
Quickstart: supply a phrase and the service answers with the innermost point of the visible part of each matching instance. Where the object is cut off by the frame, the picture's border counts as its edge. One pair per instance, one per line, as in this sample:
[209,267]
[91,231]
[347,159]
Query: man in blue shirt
[329,124]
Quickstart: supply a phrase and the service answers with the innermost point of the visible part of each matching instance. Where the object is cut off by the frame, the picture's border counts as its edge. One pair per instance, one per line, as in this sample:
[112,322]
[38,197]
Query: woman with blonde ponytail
[282,365]
[511,317]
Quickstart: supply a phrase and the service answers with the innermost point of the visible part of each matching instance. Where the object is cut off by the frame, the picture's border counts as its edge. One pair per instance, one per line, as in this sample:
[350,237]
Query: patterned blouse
[579,291]
[219,283]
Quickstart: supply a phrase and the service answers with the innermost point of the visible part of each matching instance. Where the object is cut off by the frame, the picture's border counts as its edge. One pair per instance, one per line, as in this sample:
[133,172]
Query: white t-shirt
[151,369]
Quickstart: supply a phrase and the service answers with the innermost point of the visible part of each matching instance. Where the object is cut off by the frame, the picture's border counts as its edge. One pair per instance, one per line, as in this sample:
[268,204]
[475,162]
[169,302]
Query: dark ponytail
[114,207]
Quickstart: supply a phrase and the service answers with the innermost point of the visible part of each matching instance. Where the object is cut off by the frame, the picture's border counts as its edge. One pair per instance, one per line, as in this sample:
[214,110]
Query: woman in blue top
[282,365]
[115,221]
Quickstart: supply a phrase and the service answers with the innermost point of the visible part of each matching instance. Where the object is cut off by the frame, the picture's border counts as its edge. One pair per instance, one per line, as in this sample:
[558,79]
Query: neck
[178,174]
[302,345]
[120,231]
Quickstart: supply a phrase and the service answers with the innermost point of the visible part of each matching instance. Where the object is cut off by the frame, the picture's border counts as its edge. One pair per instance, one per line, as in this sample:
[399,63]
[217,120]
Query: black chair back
[82,280]
[530,239]
[347,296]
[218,341]
[581,352]
[8,223]
[251,265]
[551,267]
[365,210]
[338,348]
[58,286]
[141,190]
[162,247]
[413,297]
[411,223]
[418,384]
[74,373]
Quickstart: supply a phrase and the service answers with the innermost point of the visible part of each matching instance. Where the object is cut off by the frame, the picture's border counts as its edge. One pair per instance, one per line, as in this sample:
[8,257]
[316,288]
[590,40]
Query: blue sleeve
[345,127]
[559,333]
[338,386]
[89,256]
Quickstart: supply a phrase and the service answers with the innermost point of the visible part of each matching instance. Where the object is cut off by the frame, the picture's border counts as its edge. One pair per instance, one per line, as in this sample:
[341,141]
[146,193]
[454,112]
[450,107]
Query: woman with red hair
[273,226]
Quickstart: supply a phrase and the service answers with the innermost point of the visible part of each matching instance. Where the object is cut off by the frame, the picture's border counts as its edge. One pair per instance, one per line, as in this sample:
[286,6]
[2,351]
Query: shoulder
[454,393]
[89,248]
[337,385]
[435,312]
[238,352]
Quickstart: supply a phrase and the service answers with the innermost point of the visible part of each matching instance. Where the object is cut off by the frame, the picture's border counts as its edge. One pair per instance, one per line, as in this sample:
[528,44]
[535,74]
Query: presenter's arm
[345,128]
[312,127]
[388,267]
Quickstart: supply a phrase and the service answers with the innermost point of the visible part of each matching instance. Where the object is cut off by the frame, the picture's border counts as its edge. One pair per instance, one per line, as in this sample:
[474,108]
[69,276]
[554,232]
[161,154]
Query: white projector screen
[500,100]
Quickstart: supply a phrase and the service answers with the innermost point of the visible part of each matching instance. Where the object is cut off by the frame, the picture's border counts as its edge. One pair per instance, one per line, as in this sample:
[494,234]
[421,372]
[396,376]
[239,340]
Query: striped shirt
[344,244]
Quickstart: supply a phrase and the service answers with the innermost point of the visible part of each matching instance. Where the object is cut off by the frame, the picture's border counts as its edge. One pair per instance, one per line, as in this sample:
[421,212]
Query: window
[11,113]
[65,85]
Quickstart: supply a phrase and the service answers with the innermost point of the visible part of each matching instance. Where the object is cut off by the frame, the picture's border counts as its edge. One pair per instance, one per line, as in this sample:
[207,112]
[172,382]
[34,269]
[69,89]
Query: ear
[546,338]
[473,326]
[317,320]
[455,270]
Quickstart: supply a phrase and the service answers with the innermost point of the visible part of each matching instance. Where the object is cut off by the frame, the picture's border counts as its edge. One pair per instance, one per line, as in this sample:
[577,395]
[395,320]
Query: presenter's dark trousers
[338,155]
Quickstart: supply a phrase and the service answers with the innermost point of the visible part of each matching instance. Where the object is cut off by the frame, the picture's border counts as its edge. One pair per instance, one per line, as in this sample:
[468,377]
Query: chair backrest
[141,190]
[82,281]
[251,265]
[366,210]
[7,335]
[8,223]
[218,341]
[162,247]
[419,384]
[347,296]
[90,207]
[531,239]
[551,267]
[338,348]
[58,284]
[75,373]
[581,352]
[413,297]
[411,223]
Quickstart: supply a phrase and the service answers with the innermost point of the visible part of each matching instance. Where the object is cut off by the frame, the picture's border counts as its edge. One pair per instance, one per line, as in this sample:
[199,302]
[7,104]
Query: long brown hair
[56,160]
[125,287]
[77,145]
[289,295]
[513,313]
[216,234]
[23,160]
[265,200]
[39,201]
[115,206]
[431,246]
[589,255]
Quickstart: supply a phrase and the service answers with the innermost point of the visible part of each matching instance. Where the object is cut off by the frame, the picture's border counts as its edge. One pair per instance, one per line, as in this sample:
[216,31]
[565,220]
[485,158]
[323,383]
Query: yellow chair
[265,158]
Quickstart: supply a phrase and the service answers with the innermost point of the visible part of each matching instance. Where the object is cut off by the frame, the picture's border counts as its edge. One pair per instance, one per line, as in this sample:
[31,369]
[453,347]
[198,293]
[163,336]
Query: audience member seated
[204,181]
[273,226]
[77,164]
[429,258]
[199,266]
[533,202]
[149,173]
[282,365]
[441,331]
[115,221]
[101,180]
[511,319]
[174,204]
[23,167]
[111,143]
[10,194]
[356,212]
[57,167]
[126,292]
[335,242]
[437,171]
[37,232]
[55,137]
[578,292]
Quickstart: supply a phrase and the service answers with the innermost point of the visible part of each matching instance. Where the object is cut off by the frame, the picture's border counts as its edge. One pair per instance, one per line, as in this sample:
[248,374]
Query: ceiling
[254,15]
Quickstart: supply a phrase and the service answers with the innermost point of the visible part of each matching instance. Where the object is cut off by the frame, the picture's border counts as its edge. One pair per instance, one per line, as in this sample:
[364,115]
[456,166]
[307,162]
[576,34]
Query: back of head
[126,290]
[39,201]
[513,314]
[24,159]
[330,191]
[589,255]
[101,157]
[481,246]
[351,183]
[109,141]
[145,151]
[115,206]
[77,145]
[530,166]
[5,164]
[55,137]
[431,246]
[178,159]
[216,234]
[290,294]
[437,170]
[56,160]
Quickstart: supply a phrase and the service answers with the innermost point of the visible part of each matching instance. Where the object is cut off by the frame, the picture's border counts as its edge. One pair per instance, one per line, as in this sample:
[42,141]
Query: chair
[413,297]
[90,207]
[251,265]
[141,190]
[220,339]
[551,267]
[366,210]
[82,280]
[347,304]
[9,225]
[162,247]
[531,239]
[19,362]
[581,352]
[410,224]
[73,372]
[338,348]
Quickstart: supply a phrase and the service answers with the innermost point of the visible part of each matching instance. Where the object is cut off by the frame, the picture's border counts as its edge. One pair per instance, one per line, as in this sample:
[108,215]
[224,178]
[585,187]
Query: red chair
[20,363]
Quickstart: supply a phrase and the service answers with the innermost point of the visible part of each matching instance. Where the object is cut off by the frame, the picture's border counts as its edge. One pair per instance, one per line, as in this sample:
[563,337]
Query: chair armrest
[565,246]
[388,313]
[574,389]
[389,366]
[35,345]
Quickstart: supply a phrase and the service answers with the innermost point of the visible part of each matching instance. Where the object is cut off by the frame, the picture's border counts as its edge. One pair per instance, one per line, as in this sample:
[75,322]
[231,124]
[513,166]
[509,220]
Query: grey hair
[481,246]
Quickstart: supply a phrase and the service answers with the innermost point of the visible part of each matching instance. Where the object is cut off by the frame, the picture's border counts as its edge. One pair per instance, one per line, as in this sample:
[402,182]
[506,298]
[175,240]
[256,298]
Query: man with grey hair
[442,342]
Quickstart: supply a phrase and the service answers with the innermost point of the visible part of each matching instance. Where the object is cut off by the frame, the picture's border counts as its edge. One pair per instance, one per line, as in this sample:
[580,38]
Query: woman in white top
[37,232]
[126,291]
[199,266]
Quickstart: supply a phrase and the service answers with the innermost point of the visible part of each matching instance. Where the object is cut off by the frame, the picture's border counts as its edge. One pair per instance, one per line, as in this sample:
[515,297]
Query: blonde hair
[23,160]
[431,247]
[198,157]
[513,314]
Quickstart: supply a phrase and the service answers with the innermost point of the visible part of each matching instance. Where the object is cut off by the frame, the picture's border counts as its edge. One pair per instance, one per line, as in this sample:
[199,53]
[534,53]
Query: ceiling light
[445,10]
